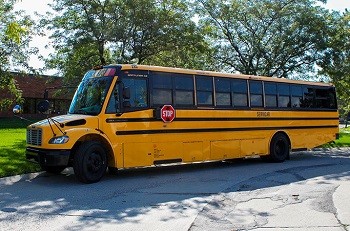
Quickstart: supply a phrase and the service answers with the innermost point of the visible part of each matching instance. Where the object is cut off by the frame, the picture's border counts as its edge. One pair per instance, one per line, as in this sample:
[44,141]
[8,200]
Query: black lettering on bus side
[263,114]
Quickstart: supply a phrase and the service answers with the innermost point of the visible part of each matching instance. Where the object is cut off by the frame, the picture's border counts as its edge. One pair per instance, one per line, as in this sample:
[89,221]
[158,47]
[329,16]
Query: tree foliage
[336,61]
[14,51]
[267,37]
[90,33]
[283,38]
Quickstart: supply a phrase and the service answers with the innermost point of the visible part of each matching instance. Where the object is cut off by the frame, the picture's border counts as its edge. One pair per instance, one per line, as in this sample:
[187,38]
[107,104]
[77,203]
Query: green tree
[336,61]
[161,33]
[90,33]
[14,49]
[267,37]
[81,30]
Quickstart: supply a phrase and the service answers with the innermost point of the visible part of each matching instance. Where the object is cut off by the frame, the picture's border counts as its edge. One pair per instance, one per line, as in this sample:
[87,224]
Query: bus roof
[214,74]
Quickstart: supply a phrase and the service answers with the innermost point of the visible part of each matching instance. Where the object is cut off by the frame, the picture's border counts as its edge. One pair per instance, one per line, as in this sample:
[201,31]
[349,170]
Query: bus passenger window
[183,90]
[138,92]
[283,95]
[162,96]
[256,93]
[222,92]
[162,92]
[297,95]
[323,97]
[204,87]
[239,90]
[308,101]
[270,94]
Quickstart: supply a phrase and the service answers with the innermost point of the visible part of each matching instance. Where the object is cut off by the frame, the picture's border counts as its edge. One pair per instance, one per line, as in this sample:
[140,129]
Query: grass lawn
[343,141]
[12,149]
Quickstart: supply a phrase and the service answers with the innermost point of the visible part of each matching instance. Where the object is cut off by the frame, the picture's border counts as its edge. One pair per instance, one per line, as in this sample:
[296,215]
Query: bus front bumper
[46,157]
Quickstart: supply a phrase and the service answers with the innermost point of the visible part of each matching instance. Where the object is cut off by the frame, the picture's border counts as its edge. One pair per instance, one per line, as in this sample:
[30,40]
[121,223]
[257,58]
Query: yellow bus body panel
[208,135]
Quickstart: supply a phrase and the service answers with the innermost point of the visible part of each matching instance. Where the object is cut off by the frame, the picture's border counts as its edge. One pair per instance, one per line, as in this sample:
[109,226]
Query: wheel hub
[94,162]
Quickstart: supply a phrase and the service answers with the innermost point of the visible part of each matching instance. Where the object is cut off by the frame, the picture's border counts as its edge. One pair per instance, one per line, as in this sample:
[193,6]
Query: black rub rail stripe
[216,119]
[197,130]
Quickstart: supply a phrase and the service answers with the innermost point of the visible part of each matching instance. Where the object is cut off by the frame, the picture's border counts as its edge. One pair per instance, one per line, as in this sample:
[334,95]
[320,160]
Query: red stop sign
[167,113]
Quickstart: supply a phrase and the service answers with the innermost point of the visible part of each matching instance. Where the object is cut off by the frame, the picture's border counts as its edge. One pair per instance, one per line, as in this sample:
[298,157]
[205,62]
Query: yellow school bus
[128,116]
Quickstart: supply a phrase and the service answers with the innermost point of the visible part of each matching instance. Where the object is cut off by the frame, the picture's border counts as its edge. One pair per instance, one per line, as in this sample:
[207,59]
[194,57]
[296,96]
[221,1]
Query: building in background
[33,88]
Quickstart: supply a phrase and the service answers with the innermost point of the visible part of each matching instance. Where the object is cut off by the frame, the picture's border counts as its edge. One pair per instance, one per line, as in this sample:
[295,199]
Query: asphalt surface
[309,192]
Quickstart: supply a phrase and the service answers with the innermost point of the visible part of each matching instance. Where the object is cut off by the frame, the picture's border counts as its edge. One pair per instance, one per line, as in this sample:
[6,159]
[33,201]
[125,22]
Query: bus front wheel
[279,148]
[90,162]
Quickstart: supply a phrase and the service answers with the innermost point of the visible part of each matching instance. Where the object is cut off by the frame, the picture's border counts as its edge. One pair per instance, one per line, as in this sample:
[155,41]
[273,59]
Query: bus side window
[324,98]
[239,90]
[256,93]
[204,87]
[283,95]
[308,101]
[138,92]
[270,94]
[297,95]
[162,89]
[223,92]
[184,89]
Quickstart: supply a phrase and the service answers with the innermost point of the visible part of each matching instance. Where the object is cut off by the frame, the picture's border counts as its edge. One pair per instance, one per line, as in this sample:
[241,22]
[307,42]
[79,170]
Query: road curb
[14,179]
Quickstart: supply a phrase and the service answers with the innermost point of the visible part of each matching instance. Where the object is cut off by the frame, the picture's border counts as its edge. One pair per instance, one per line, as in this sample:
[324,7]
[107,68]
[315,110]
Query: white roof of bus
[216,74]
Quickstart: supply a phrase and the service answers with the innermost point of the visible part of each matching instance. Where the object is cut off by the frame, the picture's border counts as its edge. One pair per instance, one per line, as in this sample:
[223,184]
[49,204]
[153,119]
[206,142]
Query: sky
[30,7]
[339,5]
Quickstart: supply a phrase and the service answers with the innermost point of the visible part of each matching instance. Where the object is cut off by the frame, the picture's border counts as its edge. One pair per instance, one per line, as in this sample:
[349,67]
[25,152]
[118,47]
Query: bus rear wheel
[279,148]
[90,162]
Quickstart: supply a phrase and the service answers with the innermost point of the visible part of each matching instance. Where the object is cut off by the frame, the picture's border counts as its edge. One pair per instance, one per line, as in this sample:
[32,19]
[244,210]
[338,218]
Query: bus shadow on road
[132,195]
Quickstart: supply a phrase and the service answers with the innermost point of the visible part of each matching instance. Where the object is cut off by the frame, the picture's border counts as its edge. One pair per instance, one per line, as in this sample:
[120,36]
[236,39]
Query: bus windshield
[90,95]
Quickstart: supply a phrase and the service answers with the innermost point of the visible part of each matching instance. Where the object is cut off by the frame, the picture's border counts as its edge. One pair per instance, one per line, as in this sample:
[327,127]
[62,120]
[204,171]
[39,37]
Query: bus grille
[34,136]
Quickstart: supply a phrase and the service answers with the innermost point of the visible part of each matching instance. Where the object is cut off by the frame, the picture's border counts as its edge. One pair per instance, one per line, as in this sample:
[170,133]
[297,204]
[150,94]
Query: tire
[279,148]
[113,171]
[53,169]
[90,162]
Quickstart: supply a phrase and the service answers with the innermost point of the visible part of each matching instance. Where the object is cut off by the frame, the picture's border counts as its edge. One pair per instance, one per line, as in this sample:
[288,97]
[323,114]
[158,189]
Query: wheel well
[94,137]
[283,133]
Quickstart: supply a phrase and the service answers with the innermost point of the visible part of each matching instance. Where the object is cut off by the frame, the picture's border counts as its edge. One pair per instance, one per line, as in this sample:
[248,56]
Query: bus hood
[67,121]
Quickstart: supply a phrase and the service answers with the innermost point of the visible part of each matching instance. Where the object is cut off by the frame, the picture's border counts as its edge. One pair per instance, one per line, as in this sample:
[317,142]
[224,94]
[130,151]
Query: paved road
[309,192]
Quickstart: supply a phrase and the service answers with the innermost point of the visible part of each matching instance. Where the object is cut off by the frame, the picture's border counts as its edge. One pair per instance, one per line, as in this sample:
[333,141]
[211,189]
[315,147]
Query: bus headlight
[59,140]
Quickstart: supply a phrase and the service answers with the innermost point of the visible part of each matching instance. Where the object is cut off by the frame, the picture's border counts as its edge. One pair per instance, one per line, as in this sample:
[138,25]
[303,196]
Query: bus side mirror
[43,106]
[17,110]
[126,93]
